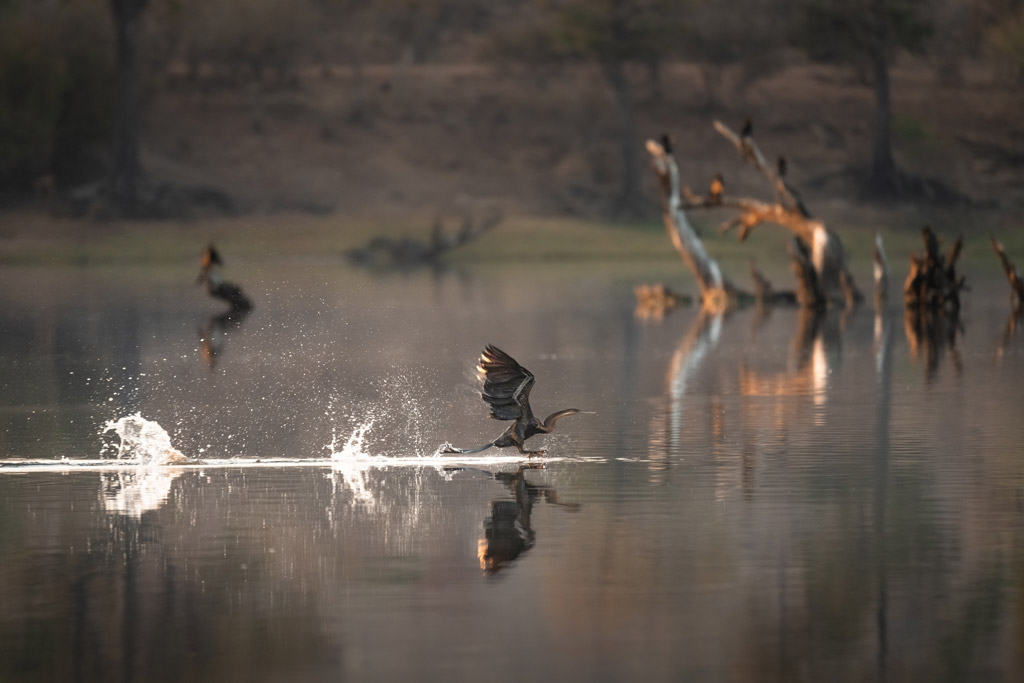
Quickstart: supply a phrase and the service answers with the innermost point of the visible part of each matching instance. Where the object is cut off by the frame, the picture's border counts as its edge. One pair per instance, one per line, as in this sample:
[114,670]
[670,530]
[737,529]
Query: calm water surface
[764,497]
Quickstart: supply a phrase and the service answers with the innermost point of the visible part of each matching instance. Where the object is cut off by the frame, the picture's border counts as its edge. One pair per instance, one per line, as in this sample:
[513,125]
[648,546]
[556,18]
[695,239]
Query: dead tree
[932,283]
[822,246]
[931,296]
[1012,276]
[764,293]
[407,251]
[653,301]
[717,292]
[809,292]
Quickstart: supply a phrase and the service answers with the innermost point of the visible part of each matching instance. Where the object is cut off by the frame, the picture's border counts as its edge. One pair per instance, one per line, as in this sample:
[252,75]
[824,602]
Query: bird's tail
[448,449]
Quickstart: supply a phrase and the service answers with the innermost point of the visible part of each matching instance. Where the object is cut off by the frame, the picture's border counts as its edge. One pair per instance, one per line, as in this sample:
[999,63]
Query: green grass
[33,239]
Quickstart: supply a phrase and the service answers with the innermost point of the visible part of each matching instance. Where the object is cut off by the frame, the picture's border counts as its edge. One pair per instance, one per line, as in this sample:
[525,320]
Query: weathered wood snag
[765,294]
[822,246]
[1012,276]
[407,251]
[653,301]
[932,282]
[809,293]
[717,292]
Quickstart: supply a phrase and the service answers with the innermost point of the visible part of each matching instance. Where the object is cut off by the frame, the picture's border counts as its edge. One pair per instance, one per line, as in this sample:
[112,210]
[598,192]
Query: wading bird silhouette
[507,386]
[209,274]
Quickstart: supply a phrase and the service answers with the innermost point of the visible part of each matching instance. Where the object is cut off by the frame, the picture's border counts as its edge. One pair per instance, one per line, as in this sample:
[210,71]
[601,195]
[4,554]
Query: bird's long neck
[210,275]
[549,422]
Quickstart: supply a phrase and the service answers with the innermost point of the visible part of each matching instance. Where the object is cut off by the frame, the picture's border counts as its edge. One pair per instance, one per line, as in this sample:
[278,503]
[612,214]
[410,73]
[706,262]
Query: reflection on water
[932,334]
[790,484]
[1013,321]
[133,492]
[508,532]
[214,333]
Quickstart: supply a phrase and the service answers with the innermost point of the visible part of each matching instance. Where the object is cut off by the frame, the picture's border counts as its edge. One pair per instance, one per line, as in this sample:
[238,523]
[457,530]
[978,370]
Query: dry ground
[423,138]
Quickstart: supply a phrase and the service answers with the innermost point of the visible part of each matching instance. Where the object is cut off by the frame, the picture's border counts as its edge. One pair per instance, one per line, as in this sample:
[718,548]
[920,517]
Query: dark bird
[209,274]
[747,150]
[715,191]
[666,143]
[507,386]
[786,189]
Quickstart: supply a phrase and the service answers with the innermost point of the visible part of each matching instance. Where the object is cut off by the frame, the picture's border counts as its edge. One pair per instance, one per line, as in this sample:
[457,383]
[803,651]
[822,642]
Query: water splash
[352,463]
[143,441]
[147,487]
[132,493]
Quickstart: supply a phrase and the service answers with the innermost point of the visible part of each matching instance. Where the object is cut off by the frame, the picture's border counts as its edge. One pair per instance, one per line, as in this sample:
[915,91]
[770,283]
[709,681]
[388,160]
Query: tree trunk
[882,180]
[717,293]
[630,199]
[127,167]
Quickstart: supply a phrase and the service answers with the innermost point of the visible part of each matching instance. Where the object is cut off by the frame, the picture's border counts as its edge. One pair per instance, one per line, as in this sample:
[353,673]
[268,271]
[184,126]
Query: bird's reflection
[508,532]
[931,333]
[214,332]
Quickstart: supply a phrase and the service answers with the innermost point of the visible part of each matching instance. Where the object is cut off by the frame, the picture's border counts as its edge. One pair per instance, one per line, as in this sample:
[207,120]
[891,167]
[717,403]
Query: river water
[763,496]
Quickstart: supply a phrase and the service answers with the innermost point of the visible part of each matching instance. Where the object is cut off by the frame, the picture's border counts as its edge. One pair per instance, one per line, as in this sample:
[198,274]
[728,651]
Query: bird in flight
[506,390]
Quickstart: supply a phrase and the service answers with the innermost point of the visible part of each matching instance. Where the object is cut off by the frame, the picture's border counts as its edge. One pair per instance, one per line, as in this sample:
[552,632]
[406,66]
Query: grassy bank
[34,239]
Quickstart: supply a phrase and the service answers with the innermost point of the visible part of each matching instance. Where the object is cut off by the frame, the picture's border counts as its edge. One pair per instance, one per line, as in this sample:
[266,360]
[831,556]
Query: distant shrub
[1005,47]
[909,129]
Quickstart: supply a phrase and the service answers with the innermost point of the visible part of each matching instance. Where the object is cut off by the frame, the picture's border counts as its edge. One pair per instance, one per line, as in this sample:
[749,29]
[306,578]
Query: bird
[666,143]
[746,143]
[781,167]
[209,274]
[506,390]
[715,191]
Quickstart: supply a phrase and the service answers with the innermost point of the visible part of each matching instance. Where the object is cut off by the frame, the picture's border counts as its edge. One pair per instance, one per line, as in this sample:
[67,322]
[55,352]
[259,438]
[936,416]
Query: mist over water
[802,489]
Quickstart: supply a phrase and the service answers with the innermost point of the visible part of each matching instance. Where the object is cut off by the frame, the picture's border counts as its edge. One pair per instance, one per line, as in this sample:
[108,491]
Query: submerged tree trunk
[127,167]
[630,199]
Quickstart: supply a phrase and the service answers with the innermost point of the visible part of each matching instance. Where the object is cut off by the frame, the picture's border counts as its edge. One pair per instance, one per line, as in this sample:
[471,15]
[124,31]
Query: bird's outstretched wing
[507,384]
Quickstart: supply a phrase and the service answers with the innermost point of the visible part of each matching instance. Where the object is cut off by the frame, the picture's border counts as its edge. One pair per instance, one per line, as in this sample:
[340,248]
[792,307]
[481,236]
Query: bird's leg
[530,454]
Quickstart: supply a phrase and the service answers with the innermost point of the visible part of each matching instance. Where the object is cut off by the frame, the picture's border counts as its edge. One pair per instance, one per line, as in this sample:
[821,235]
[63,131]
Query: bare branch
[716,290]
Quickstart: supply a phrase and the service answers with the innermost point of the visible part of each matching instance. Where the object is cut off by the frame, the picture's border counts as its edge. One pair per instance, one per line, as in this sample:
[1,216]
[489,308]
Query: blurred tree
[717,43]
[126,167]
[867,34]
[615,33]
[611,34]
[55,73]
[1004,45]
